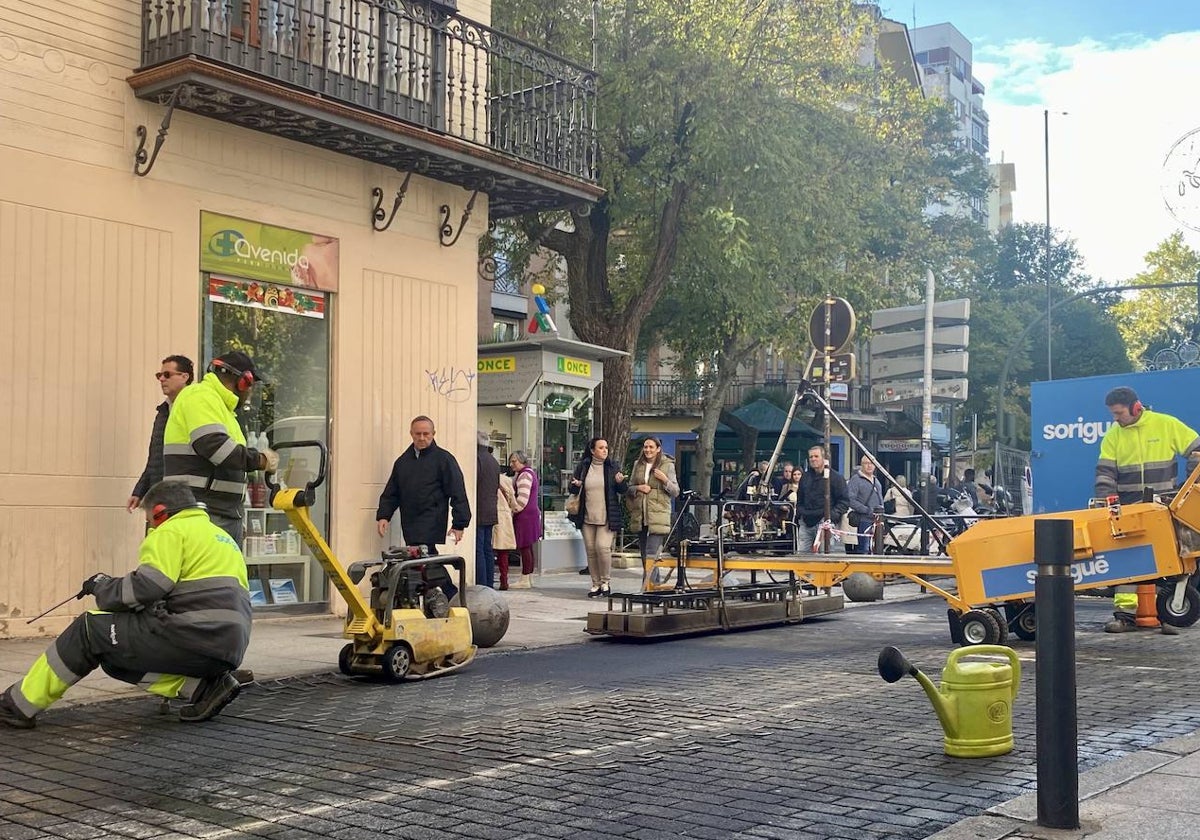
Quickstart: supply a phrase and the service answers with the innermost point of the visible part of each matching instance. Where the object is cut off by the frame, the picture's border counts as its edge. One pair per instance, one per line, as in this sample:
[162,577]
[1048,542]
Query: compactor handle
[989,650]
[310,489]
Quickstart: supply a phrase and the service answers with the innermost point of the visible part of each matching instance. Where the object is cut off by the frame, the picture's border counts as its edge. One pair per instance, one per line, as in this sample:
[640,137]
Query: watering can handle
[989,650]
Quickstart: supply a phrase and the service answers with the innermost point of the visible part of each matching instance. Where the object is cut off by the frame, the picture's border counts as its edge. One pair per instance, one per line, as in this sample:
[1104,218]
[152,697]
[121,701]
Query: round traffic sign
[832,325]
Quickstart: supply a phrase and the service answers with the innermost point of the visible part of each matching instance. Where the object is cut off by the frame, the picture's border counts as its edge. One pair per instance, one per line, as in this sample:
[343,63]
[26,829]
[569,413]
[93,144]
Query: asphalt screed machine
[984,568]
[407,628]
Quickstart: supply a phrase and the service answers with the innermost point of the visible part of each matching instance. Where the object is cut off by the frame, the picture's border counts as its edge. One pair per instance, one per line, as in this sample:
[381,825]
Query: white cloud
[1127,104]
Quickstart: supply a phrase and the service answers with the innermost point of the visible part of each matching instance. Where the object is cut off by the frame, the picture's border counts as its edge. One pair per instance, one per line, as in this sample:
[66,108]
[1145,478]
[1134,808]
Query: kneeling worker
[176,625]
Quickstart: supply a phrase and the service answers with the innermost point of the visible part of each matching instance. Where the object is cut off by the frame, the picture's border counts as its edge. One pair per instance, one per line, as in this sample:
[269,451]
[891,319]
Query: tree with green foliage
[749,276]
[1008,325]
[748,156]
[1154,319]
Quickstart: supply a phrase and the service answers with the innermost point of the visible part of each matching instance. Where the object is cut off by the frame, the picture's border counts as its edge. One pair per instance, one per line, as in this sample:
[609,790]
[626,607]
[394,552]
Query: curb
[1017,818]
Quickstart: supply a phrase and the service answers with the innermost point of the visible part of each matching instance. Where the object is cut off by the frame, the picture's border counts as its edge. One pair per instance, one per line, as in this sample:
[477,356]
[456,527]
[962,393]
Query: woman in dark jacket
[600,486]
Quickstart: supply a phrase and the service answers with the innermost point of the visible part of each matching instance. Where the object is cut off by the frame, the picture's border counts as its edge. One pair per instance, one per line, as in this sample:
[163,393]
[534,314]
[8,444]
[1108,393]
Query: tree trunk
[710,415]
[617,407]
[594,316]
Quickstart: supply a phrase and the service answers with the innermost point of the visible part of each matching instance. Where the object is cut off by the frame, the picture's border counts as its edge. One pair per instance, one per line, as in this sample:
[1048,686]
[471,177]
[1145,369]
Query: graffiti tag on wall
[451,382]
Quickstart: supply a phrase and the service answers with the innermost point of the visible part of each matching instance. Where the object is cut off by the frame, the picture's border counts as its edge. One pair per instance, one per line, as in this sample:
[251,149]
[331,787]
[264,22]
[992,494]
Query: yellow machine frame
[992,561]
[409,644]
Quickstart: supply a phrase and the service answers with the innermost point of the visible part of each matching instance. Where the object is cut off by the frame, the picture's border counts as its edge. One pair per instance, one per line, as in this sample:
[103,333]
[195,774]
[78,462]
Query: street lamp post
[1046,265]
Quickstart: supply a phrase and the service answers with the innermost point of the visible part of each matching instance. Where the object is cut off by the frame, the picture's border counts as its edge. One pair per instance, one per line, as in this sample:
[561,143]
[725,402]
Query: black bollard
[1057,715]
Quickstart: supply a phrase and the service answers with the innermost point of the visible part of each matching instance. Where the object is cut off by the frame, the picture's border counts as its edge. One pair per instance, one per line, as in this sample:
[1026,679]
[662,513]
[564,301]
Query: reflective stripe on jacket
[1143,455]
[192,578]
[204,447]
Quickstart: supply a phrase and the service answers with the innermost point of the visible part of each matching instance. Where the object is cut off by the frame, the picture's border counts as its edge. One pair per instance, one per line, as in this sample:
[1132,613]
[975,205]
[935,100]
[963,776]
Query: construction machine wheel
[396,662]
[980,627]
[1187,615]
[344,660]
[1001,623]
[1023,622]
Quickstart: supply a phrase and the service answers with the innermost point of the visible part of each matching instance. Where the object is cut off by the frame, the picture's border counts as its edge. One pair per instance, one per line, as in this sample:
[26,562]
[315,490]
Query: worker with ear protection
[176,625]
[1137,455]
[205,448]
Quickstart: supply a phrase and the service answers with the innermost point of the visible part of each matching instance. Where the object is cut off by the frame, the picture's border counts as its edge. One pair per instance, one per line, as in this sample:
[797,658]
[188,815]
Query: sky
[1127,75]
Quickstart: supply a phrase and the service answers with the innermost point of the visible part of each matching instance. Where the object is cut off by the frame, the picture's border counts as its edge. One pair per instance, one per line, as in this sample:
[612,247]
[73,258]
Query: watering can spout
[893,666]
[946,708]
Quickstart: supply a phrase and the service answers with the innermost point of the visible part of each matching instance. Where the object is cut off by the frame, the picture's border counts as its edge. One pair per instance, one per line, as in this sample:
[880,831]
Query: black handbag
[889,506]
[853,518]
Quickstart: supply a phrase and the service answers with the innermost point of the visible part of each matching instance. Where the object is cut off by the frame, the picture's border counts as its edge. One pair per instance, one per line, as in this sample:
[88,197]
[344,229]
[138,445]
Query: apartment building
[303,181]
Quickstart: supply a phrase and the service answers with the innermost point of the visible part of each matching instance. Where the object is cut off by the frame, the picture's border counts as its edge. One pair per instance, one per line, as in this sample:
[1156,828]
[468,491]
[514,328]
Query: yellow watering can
[974,703]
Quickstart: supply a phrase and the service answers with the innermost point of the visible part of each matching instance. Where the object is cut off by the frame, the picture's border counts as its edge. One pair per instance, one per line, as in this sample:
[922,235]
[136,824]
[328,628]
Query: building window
[960,67]
[504,330]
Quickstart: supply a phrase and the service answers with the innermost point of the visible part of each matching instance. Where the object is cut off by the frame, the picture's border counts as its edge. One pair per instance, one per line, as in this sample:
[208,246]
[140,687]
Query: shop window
[286,331]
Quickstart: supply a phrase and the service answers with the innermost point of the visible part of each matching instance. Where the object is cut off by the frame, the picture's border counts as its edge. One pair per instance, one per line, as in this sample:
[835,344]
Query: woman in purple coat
[527,517]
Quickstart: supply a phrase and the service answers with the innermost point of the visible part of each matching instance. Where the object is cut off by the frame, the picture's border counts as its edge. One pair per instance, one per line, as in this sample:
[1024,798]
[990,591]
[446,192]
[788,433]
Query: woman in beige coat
[504,539]
[652,486]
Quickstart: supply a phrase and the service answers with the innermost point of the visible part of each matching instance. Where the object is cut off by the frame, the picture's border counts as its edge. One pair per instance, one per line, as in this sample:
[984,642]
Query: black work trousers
[128,646]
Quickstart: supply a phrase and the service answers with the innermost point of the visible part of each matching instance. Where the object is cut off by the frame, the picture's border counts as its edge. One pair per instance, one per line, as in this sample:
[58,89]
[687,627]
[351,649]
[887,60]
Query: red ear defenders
[161,513]
[245,379]
[1136,408]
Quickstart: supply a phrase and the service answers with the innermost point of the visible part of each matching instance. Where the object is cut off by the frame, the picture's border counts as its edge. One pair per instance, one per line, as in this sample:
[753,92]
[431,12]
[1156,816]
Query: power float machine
[408,629]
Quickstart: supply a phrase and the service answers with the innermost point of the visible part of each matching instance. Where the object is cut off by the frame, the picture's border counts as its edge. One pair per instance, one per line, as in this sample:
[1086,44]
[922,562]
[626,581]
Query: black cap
[237,363]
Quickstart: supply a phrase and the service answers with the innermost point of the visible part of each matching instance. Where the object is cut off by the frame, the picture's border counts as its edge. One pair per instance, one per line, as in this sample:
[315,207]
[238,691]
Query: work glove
[89,585]
[268,460]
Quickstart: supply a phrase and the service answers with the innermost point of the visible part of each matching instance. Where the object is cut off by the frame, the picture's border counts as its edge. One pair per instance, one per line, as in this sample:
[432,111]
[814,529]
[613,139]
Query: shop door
[556,466]
[286,332]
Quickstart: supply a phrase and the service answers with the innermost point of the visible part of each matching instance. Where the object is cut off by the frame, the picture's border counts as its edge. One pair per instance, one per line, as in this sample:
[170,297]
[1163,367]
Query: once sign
[496,364]
[575,367]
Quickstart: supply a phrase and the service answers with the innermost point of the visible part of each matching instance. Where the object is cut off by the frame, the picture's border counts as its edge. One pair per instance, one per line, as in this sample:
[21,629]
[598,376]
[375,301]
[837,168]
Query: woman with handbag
[652,486]
[599,486]
[527,517]
[504,537]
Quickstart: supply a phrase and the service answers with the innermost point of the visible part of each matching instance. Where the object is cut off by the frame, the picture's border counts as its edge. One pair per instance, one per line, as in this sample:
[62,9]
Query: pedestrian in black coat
[426,484]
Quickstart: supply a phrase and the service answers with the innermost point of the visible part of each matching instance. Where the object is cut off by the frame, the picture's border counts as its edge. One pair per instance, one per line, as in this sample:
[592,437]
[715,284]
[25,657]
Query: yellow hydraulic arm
[295,503]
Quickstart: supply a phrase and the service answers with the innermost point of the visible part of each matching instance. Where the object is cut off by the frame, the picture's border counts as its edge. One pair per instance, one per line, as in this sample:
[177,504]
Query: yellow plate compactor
[408,629]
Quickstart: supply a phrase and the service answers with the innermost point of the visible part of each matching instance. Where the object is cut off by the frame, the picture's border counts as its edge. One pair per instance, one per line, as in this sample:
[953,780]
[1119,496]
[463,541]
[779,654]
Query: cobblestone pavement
[781,733]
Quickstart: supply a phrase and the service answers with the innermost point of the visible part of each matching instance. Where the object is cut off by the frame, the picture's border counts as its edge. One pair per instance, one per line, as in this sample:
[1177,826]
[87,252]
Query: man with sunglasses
[205,448]
[175,373]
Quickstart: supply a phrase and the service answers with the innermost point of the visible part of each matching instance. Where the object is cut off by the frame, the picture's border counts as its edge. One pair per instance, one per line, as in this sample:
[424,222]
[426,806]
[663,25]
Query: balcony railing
[413,61]
[679,396]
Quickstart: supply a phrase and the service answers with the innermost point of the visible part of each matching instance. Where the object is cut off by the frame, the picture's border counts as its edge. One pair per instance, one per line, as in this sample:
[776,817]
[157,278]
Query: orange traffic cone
[1147,608]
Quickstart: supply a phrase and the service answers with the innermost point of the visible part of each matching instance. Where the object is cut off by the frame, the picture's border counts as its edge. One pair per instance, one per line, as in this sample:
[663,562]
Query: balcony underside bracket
[447,235]
[143,162]
[380,220]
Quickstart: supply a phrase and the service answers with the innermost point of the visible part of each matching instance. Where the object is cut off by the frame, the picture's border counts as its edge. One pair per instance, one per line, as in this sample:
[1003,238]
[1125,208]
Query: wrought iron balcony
[408,84]
[687,397]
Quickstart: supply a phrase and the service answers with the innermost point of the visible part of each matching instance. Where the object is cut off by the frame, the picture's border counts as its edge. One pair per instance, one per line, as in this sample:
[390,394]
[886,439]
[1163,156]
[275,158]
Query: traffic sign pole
[829,302]
[831,329]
